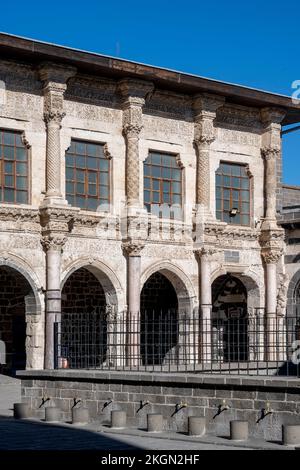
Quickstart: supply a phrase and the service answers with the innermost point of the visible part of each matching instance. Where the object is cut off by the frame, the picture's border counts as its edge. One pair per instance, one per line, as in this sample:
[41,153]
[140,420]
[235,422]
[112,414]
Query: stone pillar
[53,245]
[54,78]
[133,251]
[272,348]
[272,236]
[204,256]
[205,107]
[134,93]
[271,151]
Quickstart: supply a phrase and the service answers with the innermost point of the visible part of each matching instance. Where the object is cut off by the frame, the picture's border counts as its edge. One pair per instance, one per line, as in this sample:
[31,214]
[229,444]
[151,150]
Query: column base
[54,201]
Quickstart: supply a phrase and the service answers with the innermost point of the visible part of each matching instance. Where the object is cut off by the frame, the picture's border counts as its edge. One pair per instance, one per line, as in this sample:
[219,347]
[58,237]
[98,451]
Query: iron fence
[227,342]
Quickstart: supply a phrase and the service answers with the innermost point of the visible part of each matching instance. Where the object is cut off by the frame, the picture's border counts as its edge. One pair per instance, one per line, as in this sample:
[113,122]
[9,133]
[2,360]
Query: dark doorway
[159,321]
[83,338]
[13,290]
[229,320]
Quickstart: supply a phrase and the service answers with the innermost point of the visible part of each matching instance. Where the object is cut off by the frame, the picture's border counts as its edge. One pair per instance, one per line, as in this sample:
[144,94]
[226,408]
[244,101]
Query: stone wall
[102,392]
[290,196]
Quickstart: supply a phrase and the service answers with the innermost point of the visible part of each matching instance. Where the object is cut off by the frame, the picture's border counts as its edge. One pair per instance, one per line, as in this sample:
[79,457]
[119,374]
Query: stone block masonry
[267,403]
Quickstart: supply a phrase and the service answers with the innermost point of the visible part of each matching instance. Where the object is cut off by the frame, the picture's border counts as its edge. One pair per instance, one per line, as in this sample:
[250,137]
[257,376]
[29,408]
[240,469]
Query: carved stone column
[271,151]
[205,107]
[204,256]
[54,78]
[133,252]
[53,245]
[134,93]
[271,259]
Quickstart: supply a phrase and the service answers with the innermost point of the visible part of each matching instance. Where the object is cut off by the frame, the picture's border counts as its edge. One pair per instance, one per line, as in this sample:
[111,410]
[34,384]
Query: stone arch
[255,296]
[181,283]
[292,309]
[114,294]
[25,331]
[33,301]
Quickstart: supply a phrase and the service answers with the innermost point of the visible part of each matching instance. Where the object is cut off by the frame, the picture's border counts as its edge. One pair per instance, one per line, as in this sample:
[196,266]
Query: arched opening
[159,320]
[14,292]
[230,340]
[83,341]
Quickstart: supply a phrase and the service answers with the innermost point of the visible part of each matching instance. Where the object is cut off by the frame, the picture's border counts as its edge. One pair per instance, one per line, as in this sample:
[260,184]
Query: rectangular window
[233,194]
[163,185]
[87,176]
[13,168]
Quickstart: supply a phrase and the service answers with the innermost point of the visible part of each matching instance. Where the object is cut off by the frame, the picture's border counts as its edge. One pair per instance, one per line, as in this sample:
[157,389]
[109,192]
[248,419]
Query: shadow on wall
[31,435]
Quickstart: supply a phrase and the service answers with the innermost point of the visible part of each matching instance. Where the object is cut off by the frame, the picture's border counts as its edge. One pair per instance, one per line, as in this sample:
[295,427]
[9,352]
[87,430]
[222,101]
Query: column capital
[206,104]
[53,242]
[271,257]
[134,92]
[205,107]
[205,253]
[55,76]
[132,131]
[133,248]
[270,115]
[270,153]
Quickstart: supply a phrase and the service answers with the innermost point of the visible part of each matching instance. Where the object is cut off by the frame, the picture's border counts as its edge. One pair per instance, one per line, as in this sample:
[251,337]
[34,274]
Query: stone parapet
[245,397]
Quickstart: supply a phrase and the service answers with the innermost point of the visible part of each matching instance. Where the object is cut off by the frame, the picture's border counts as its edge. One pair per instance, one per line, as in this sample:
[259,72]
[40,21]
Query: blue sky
[253,43]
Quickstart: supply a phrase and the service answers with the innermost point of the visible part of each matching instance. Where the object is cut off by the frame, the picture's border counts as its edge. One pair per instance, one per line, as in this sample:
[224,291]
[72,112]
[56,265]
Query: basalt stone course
[243,401]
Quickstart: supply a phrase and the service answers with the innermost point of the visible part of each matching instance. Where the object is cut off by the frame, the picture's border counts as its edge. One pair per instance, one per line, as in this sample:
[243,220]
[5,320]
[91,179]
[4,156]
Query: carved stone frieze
[238,116]
[168,104]
[238,137]
[19,77]
[19,241]
[171,130]
[18,213]
[92,90]
[224,234]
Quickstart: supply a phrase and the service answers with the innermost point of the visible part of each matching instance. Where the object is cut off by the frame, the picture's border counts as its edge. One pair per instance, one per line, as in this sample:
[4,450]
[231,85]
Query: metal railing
[171,341]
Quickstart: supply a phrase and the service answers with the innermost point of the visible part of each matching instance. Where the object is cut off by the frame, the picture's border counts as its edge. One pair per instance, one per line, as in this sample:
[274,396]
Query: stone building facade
[54,252]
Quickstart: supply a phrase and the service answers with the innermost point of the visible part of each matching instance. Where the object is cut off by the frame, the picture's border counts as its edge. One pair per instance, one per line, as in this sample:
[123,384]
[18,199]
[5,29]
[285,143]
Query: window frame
[14,162]
[161,181]
[231,188]
[87,171]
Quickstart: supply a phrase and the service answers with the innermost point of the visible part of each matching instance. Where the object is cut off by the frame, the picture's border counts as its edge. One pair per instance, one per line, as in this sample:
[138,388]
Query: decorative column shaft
[205,107]
[134,93]
[53,246]
[133,251]
[271,259]
[54,78]
[271,150]
[53,167]
[204,256]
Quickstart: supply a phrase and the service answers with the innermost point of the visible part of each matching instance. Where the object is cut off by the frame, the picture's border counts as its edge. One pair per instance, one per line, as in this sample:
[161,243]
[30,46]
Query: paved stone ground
[33,434]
